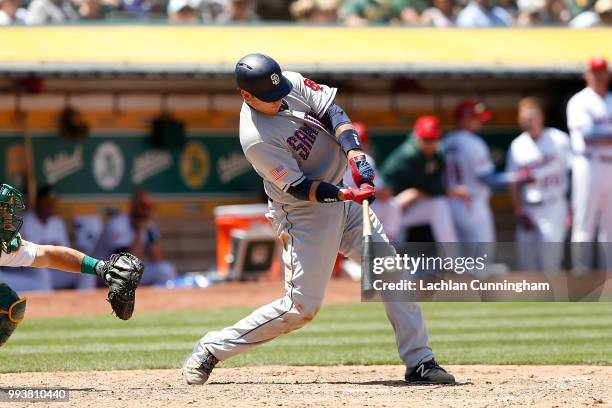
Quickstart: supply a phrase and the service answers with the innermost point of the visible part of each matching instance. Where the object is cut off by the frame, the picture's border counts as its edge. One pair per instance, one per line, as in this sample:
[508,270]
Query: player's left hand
[359,195]
[122,274]
[361,169]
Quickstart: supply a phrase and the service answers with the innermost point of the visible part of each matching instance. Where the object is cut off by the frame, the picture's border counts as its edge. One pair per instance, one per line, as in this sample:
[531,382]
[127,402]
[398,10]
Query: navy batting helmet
[261,76]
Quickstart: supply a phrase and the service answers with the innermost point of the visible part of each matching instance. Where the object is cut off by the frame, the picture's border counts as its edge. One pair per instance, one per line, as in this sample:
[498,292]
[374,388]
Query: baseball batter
[589,120]
[541,204]
[298,140]
[121,273]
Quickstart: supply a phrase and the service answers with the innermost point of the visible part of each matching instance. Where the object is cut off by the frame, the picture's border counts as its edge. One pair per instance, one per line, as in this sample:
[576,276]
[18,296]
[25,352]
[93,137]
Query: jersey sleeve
[24,256]
[275,164]
[581,121]
[578,118]
[120,235]
[480,158]
[511,164]
[565,147]
[317,96]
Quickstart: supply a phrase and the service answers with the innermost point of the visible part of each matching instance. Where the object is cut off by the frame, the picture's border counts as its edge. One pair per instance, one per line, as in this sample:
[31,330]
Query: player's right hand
[366,191]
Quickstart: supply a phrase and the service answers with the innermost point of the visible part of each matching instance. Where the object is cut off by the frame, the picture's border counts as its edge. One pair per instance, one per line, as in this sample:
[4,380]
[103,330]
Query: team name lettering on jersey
[302,141]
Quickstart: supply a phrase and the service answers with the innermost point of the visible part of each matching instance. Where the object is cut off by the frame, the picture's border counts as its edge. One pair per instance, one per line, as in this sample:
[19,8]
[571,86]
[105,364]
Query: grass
[461,333]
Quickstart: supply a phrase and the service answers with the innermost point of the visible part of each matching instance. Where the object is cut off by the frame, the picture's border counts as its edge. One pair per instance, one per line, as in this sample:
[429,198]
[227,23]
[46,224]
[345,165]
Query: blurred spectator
[184,11]
[274,10]
[11,12]
[414,173]
[481,13]
[364,12]
[600,16]
[136,8]
[604,9]
[385,207]
[42,225]
[315,11]
[89,9]
[215,11]
[137,233]
[408,11]
[509,5]
[579,6]
[441,14]
[539,12]
[242,11]
[51,11]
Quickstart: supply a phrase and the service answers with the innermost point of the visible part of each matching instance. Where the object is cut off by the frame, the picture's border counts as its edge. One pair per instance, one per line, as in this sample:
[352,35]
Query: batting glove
[362,171]
[366,191]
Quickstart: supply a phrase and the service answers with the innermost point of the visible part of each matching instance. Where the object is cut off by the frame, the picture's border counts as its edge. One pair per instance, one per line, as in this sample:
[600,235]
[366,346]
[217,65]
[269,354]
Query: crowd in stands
[436,13]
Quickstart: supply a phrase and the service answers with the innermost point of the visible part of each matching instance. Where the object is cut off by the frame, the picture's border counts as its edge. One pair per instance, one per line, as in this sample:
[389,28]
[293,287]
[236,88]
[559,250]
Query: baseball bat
[367,251]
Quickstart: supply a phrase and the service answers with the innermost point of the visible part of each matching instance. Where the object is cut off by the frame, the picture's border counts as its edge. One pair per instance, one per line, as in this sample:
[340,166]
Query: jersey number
[312,84]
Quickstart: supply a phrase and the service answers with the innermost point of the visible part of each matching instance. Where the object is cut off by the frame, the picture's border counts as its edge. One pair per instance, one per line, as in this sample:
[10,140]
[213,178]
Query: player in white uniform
[589,120]
[468,163]
[298,140]
[540,204]
[17,252]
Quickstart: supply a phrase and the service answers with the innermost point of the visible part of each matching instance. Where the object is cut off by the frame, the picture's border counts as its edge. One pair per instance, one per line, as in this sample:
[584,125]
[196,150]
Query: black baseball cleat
[428,372]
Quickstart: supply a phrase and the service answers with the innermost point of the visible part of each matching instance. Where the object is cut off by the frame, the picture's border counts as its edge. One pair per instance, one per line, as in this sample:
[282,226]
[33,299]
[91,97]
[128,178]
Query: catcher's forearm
[63,258]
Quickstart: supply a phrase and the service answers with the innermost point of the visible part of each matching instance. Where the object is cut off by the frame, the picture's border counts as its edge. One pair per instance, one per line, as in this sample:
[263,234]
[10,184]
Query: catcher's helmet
[261,76]
[11,207]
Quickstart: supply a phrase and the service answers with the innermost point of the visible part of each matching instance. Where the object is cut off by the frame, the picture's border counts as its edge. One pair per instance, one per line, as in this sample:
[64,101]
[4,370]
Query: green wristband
[88,265]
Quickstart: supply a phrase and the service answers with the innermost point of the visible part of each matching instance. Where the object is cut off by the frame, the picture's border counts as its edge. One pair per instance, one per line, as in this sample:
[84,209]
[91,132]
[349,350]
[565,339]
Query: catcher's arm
[121,273]
[58,257]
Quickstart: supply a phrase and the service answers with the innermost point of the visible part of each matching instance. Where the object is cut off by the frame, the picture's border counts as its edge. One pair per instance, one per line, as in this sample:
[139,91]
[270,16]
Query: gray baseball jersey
[285,148]
[293,144]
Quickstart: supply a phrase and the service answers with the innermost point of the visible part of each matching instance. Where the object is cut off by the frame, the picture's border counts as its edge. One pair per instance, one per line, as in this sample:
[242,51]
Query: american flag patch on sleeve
[279,172]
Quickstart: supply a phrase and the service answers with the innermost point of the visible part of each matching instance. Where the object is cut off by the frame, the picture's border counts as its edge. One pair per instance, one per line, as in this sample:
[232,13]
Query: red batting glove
[366,191]
[362,171]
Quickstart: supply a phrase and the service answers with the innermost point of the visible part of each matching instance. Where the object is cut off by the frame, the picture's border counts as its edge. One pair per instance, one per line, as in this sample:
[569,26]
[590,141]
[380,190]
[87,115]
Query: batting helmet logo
[275,79]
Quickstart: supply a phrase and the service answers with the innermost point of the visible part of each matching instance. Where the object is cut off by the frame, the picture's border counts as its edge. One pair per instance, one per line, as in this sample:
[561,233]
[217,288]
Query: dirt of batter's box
[148,299]
[344,386]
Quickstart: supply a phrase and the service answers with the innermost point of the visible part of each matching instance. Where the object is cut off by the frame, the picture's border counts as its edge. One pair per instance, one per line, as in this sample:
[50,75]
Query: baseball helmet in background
[261,76]
[362,130]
